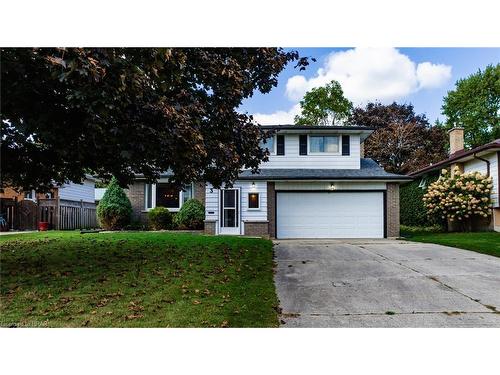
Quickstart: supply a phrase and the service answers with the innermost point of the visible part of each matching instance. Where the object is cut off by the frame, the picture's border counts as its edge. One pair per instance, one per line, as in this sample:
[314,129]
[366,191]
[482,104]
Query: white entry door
[330,215]
[229,211]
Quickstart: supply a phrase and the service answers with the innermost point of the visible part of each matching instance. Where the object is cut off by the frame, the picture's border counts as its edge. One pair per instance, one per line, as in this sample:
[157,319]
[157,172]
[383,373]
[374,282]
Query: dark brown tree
[118,111]
[403,141]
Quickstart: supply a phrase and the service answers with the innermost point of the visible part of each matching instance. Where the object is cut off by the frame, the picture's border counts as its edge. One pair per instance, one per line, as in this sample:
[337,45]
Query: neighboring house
[484,159]
[70,191]
[316,184]
[68,206]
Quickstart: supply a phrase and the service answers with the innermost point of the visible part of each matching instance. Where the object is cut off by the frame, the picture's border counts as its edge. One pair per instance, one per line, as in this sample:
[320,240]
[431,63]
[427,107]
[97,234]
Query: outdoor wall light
[332,186]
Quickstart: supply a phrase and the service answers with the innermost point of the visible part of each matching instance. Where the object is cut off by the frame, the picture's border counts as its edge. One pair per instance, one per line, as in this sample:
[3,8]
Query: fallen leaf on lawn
[224,324]
[196,302]
[133,316]
[135,307]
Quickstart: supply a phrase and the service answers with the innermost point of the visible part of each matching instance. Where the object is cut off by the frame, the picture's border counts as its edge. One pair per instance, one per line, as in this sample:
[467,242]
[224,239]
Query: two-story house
[316,184]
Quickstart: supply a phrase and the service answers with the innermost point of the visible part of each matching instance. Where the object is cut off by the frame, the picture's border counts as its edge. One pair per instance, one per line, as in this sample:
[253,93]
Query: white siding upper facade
[292,159]
[77,192]
[476,165]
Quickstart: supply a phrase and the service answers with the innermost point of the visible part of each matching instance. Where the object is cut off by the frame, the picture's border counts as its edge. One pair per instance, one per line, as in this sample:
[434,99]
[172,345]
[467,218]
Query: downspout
[486,161]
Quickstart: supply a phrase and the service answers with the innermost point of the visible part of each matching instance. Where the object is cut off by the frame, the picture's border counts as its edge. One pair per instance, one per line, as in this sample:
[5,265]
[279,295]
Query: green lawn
[482,242]
[136,279]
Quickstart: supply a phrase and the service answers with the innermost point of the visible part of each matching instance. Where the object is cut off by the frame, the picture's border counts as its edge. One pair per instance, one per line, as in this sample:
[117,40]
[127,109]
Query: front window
[323,144]
[148,196]
[167,196]
[187,193]
[253,201]
[268,144]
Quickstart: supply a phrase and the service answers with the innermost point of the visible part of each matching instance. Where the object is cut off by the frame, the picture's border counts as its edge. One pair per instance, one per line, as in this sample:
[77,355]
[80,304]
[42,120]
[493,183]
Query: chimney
[456,140]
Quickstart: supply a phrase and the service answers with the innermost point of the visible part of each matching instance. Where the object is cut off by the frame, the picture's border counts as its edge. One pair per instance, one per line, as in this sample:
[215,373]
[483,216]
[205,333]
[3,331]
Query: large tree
[403,141]
[324,105]
[475,105]
[119,111]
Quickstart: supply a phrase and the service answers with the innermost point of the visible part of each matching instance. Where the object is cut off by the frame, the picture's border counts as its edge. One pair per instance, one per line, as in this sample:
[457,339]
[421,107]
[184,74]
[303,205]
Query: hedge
[412,208]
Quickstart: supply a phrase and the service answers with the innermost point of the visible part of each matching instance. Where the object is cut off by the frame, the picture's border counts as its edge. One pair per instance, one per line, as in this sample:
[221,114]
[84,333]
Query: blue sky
[421,76]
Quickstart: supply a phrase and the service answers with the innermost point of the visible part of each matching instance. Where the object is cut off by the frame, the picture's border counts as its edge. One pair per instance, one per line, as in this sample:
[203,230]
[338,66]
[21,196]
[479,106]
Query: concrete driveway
[384,283]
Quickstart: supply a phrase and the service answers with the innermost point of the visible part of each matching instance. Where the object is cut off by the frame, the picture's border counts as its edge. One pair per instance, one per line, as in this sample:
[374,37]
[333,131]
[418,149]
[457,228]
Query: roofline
[457,156]
[323,178]
[258,176]
[322,127]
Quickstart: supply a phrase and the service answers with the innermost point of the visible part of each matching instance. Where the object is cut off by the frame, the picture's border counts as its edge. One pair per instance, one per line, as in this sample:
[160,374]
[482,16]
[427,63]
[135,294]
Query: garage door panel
[330,215]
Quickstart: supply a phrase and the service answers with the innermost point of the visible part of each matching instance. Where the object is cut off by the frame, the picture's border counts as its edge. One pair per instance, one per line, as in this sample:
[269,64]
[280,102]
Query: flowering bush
[459,197]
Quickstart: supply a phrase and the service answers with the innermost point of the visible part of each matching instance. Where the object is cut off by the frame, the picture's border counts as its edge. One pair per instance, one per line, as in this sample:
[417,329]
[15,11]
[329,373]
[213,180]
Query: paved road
[384,283]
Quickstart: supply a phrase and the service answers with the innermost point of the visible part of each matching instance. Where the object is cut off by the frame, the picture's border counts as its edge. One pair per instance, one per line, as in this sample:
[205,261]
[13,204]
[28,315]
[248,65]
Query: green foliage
[403,141]
[459,197]
[324,106]
[191,215]
[412,207]
[160,218]
[407,230]
[122,111]
[114,210]
[474,104]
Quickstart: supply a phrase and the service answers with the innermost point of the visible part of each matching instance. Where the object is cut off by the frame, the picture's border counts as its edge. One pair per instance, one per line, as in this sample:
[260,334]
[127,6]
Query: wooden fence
[59,213]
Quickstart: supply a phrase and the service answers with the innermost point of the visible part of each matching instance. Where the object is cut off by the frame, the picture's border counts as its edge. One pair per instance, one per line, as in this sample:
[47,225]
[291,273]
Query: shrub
[114,210]
[412,230]
[160,218]
[191,215]
[412,207]
[460,197]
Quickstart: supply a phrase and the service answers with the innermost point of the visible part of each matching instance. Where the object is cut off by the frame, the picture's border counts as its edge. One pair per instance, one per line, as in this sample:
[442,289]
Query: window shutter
[346,145]
[303,144]
[280,145]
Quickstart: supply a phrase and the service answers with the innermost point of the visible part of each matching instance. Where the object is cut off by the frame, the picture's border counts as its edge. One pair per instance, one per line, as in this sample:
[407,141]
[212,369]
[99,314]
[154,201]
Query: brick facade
[135,193]
[271,210]
[210,227]
[392,204]
[257,228]
[199,191]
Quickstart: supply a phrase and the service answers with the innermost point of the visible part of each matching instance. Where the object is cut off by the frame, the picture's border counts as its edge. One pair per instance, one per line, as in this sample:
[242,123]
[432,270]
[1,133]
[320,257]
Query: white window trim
[153,200]
[248,201]
[323,153]
[33,193]
[273,151]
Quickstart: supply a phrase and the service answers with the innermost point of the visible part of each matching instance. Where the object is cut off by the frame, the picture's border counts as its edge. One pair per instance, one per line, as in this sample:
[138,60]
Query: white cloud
[365,74]
[278,117]
[433,75]
[369,74]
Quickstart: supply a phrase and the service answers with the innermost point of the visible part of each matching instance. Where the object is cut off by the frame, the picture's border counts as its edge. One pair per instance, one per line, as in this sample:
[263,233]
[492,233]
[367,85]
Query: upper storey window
[269,144]
[324,144]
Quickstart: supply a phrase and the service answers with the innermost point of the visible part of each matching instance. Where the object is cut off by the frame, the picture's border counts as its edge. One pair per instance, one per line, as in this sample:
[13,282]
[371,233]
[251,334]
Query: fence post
[57,214]
[16,217]
[81,214]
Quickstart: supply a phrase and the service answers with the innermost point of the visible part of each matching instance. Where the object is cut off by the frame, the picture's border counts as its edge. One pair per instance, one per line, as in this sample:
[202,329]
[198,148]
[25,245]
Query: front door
[229,211]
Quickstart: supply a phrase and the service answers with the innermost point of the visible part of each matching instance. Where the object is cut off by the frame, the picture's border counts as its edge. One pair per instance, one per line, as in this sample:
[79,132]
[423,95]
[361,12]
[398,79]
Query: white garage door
[330,215]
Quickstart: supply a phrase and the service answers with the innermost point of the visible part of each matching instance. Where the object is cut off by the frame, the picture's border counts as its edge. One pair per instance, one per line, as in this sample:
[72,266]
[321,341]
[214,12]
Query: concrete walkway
[17,232]
[384,283]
